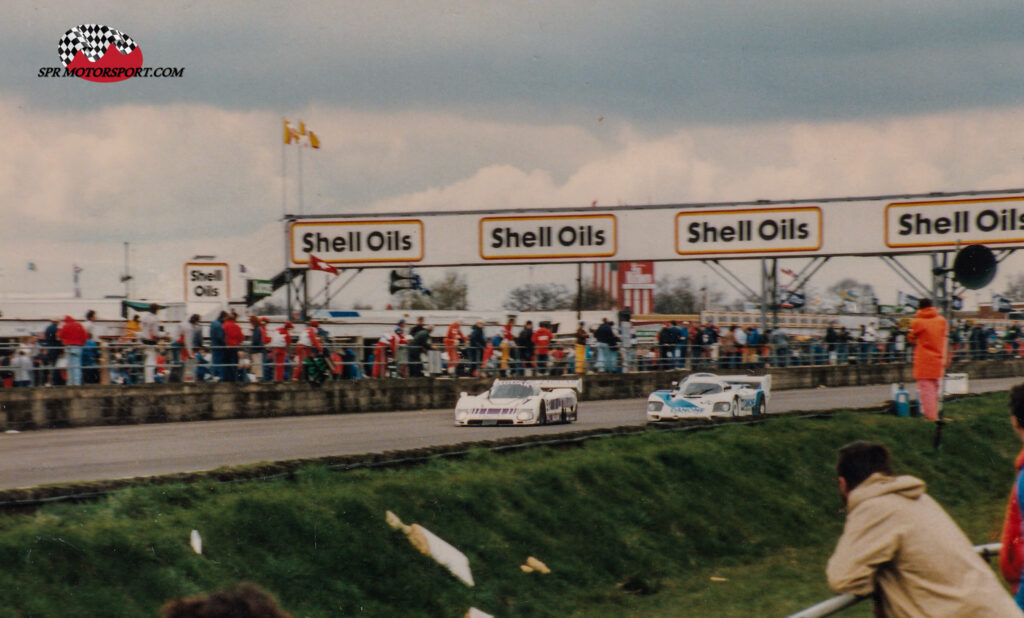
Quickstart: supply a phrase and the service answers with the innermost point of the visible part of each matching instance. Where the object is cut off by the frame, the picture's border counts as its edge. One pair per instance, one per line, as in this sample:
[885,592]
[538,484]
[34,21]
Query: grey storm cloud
[645,63]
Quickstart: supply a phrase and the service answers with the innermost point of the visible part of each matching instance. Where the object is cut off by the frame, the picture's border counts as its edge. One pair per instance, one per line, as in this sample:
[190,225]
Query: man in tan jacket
[900,543]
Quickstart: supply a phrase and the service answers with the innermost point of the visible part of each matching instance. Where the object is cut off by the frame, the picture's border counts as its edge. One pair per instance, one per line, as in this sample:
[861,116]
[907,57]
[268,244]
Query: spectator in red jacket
[233,339]
[73,336]
[452,338]
[541,345]
[1011,552]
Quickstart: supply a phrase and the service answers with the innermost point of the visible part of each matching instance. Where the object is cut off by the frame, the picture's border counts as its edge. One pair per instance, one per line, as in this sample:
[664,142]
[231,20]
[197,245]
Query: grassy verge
[636,525]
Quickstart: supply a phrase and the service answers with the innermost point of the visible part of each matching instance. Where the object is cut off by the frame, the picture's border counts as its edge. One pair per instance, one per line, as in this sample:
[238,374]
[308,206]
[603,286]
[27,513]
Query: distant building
[631,284]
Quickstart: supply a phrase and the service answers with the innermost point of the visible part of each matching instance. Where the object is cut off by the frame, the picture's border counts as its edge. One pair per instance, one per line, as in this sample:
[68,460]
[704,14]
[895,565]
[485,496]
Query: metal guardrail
[839,603]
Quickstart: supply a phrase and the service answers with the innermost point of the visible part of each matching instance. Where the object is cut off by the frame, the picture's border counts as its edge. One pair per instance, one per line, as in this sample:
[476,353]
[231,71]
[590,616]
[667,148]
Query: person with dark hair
[258,339]
[930,335]
[233,339]
[51,350]
[524,346]
[1011,552]
[475,351]
[243,600]
[218,345]
[90,324]
[901,546]
[186,344]
[418,347]
[832,343]
[607,346]
[666,345]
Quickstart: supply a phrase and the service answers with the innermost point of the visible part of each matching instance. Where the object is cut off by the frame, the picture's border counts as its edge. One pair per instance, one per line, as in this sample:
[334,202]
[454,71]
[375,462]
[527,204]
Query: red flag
[316,263]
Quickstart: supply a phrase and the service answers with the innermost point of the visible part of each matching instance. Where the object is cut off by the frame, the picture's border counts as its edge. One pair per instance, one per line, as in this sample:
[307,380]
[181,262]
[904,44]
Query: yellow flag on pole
[287,132]
[302,128]
[314,141]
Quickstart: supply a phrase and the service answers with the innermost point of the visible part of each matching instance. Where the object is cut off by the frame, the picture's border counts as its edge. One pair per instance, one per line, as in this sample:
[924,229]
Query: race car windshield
[694,389]
[511,391]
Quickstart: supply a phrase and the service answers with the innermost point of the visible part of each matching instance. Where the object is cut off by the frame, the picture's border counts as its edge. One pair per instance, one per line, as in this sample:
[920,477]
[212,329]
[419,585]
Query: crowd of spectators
[70,351]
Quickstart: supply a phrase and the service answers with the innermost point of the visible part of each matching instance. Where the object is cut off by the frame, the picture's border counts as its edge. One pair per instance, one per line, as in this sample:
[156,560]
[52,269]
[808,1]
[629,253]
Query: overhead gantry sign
[886,225]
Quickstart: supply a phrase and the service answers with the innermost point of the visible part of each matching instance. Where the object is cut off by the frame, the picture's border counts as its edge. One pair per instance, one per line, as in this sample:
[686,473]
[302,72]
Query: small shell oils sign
[207,282]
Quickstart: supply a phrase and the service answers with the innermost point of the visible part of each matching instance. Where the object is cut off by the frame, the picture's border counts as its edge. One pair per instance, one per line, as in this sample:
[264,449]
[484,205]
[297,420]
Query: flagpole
[300,177]
[284,177]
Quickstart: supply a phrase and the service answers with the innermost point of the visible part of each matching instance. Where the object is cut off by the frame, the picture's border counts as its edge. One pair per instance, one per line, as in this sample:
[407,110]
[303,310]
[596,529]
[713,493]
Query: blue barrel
[902,400]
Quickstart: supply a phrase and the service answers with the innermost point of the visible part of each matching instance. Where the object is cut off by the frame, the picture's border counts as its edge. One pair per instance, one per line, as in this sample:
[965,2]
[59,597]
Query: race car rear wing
[763,383]
[548,385]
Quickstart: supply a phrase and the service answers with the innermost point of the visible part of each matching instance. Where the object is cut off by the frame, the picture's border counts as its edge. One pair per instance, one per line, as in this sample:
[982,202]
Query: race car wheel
[735,408]
[761,407]
[542,416]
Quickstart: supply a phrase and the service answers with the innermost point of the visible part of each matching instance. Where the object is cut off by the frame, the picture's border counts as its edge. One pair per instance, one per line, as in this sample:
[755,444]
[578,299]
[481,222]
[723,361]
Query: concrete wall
[37,408]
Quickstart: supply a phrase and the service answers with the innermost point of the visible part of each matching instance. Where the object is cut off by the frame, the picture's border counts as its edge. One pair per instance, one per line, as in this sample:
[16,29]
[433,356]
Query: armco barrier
[39,407]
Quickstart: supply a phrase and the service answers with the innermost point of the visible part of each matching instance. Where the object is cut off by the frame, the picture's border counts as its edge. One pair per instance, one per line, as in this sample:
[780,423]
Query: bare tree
[451,292]
[540,297]
[593,298]
[413,299]
[681,296]
[1015,287]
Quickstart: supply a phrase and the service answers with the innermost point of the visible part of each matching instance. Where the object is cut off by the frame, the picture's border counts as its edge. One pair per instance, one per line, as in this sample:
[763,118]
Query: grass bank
[635,525]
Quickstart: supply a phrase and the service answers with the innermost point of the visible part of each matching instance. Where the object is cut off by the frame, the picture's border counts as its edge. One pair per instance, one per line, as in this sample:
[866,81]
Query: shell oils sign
[207,282]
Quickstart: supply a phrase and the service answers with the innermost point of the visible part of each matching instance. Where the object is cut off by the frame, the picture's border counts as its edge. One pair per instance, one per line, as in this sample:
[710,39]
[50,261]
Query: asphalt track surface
[34,458]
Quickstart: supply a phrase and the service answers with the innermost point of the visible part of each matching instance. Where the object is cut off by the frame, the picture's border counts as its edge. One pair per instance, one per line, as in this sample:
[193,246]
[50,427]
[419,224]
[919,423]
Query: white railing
[839,603]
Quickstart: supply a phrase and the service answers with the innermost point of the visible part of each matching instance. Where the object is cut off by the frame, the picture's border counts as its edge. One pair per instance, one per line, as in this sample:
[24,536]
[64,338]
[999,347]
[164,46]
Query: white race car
[704,395]
[521,402]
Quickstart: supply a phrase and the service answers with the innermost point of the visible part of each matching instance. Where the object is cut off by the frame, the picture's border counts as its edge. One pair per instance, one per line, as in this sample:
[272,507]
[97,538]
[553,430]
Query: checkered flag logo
[93,40]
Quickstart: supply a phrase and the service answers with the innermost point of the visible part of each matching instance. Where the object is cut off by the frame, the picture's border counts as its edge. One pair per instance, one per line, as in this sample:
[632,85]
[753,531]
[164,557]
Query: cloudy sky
[447,105]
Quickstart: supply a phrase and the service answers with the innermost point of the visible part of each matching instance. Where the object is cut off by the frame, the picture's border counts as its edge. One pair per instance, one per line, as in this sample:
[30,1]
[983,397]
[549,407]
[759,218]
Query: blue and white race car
[704,395]
[521,402]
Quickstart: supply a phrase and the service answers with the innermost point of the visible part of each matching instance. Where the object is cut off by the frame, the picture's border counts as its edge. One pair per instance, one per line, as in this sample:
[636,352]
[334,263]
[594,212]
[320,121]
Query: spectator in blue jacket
[683,347]
[218,346]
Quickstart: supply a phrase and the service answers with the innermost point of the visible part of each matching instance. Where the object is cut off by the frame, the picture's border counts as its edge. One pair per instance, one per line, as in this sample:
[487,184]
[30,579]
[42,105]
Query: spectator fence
[117,361]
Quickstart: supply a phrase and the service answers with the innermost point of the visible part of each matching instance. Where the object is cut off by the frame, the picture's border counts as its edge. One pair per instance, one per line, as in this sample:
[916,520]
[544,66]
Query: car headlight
[460,415]
[722,406]
[655,406]
[524,415]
